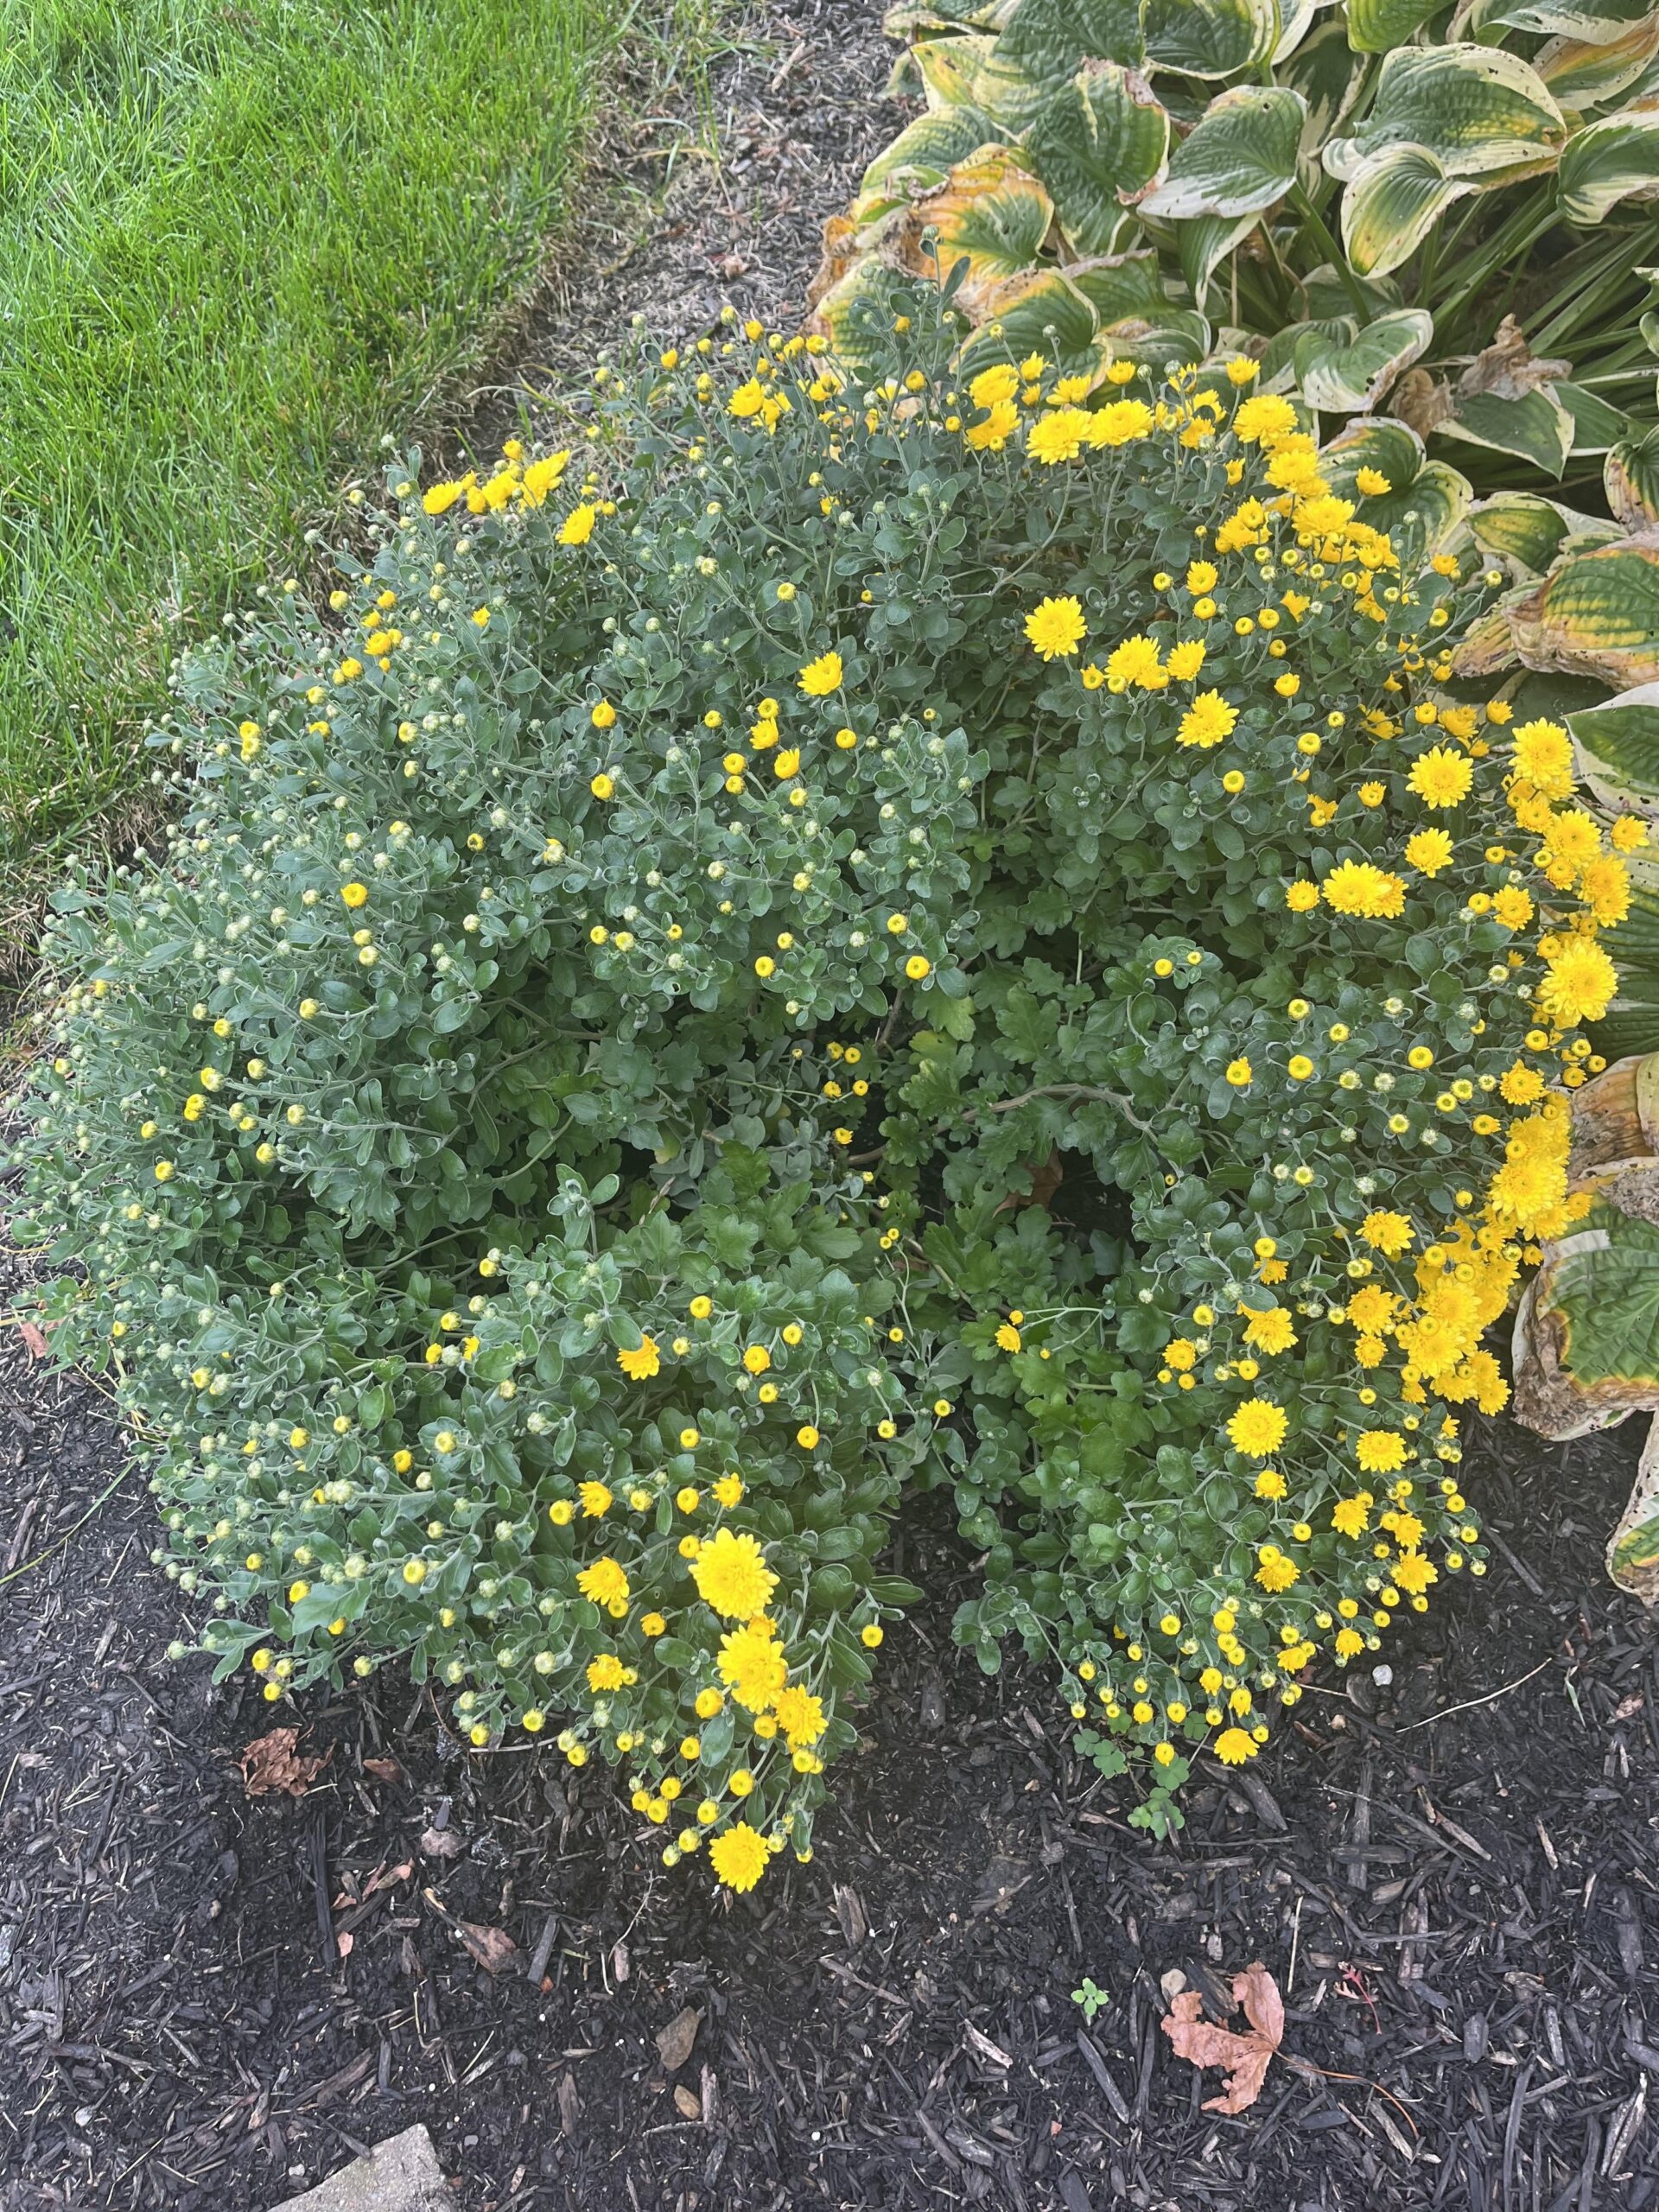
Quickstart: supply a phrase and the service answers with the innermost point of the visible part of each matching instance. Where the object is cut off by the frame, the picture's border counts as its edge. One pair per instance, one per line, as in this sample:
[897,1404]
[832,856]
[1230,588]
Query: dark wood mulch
[207,2001]
[1459,1903]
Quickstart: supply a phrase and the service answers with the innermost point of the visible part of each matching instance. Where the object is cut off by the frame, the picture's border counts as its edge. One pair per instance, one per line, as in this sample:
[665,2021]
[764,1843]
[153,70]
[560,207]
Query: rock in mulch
[400,2175]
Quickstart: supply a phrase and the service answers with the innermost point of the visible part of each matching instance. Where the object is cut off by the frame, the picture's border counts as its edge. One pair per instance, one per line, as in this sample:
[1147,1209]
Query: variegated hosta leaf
[1393,200]
[1426,499]
[1296,20]
[1582,74]
[975,72]
[1098,144]
[910,19]
[1329,298]
[1617,746]
[1122,285]
[1378,26]
[1596,613]
[1596,428]
[1041,312]
[1598,22]
[1614,160]
[1633,1549]
[1586,1336]
[1202,245]
[1529,532]
[1340,378]
[855,314]
[1631,1023]
[1630,476]
[921,156]
[991,214]
[1239,160]
[1535,427]
[1050,40]
[1210,38]
[1475,109]
[1177,334]
[1328,73]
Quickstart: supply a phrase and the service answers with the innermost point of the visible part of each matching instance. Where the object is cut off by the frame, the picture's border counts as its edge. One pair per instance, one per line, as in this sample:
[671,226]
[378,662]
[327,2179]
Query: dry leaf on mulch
[1244,2057]
[271,1766]
[675,2040]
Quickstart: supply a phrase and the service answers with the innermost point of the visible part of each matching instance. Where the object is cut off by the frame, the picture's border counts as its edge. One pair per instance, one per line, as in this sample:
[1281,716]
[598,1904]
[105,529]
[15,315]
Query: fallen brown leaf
[385,1769]
[442,1843]
[270,1765]
[675,2040]
[492,1947]
[690,2104]
[33,1338]
[1244,2057]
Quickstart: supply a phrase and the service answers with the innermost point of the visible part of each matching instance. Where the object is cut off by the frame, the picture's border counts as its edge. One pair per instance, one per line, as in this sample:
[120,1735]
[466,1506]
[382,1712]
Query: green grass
[238,240]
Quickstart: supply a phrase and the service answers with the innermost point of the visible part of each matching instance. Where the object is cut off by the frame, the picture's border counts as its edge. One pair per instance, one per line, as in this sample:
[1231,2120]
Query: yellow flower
[1257,1427]
[440,498]
[999,426]
[1056,627]
[353,894]
[603,715]
[1301,897]
[1136,661]
[1007,1337]
[740,1856]
[821,677]
[1440,777]
[643,1362]
[604,1583]
[1578,984]
[752,1665]
[601,786]
[1544,758]
[596,1500]
[1234,1746]
[731,1575]
[1388,1233]
[991,386]
[1428,852]
[1239,1073]
[1372,482]
[1120,422]
[800,1715]
[1381,1450]
[757,1359]
[1207,721]
[606,1672]
[578,525]
[1269,1329]
[1359,887]
[1276,1572]
[1184,660]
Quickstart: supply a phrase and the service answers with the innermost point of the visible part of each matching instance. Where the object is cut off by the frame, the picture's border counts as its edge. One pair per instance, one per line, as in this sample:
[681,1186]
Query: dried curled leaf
[272,1766]
[1245,2056]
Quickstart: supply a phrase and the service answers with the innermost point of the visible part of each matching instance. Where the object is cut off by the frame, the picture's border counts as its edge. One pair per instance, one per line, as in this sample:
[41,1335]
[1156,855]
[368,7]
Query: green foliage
[831,944]
[1361,195]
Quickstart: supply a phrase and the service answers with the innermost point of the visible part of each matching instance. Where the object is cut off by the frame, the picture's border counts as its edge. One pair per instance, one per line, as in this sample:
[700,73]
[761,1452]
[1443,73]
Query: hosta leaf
[1345,378]
[1633,1549]
[1535,427]
[1122,285]
[1050,40]
[1097,145]
[1393,200]
[1378,26]
[1328,73]
[1204,244]
[922,156]
[1614,160]
[1617,745]
[1598,23]
[909,18]
[1476,109]
[1528,529]
[1630,477]
[1042,313]
[975,72]
[1426,499]
[1239,160]
[856,313]
[989,218]
[1586,1338]
[1210,38]
[1582,74]
[1296,20]
[1329,298]
[1596,428]
[1177,334]
[1596,613]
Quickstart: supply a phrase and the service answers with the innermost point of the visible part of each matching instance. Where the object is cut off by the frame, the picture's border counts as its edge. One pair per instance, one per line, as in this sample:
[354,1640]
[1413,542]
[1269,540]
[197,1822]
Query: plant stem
[1320,230]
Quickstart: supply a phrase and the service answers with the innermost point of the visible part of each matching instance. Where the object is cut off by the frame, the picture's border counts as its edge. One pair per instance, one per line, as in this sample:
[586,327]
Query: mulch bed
[210,2001]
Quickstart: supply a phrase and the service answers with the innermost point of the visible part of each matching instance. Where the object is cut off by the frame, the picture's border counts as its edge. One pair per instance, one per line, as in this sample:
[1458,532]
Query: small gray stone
[400,2175]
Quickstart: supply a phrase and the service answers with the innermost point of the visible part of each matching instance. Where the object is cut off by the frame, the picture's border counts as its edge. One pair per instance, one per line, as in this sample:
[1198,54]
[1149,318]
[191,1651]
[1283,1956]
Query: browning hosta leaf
[1531,532]
[1245,2056]
[1042,313]
[1609,161]
[987,220]
[1239,159]
[973,71]
[1617,743]
[921,156]
[1598,23]
[1426,499]
[1535,427]
[1596,613]
[1476,109]
[1630,477]
[1633,1547]
[1099,145]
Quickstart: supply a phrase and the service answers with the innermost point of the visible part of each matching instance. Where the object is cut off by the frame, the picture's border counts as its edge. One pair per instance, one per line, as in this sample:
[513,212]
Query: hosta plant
[856,933]
[1376,197]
